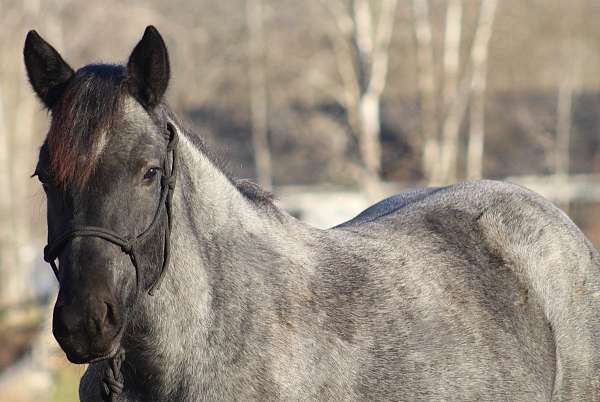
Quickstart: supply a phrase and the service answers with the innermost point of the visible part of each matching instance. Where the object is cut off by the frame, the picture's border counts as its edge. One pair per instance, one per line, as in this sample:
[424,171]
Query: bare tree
[452,107]
[8,252]
[479,56]
[427,85]
[258,92]
[361,45]
[451,51]
[440,123]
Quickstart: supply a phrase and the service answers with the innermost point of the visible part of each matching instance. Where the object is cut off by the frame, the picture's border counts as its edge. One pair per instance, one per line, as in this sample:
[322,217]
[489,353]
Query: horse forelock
[86,113]
[81,119]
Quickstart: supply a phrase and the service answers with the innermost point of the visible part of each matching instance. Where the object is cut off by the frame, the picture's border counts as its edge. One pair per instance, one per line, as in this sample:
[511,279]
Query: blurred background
[330,104]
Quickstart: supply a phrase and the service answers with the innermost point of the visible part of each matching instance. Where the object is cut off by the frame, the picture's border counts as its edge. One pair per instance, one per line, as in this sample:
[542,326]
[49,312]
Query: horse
[179,282]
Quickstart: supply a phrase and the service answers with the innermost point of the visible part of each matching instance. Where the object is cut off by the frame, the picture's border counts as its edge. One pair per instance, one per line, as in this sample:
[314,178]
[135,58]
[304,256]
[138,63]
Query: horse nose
[97,317]
[67,319]
[102,318]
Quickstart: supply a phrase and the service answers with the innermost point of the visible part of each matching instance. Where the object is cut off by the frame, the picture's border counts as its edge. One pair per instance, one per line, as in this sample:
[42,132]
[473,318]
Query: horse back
[476,281]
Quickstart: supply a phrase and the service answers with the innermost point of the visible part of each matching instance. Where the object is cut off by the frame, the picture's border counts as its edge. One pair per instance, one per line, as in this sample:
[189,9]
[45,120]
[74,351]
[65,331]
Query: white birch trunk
[563,125]
[564,122]
[447,172]
[426,82]
[452,39]
[258,92]
[8,249]
[372,59]
[369,144]
[361,45]
[479,57]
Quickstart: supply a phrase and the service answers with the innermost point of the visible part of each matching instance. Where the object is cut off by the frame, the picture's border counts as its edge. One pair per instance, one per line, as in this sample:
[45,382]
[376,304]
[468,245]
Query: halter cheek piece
[130,245]
[112,382]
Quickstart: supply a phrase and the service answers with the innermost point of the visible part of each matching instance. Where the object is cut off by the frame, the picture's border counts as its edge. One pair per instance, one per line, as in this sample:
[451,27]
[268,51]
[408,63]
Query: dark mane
[250,190]
[254,192]
[92,102]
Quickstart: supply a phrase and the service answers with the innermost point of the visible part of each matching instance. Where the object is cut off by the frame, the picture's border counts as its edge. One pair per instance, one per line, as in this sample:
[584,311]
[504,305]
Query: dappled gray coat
[478,291]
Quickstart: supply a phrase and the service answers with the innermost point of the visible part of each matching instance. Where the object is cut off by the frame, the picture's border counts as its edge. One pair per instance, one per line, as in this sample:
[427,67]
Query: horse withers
[181,283]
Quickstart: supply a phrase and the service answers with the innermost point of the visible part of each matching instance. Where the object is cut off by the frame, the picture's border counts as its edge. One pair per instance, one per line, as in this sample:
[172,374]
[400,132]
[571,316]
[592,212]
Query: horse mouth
[77,356]
[88,358]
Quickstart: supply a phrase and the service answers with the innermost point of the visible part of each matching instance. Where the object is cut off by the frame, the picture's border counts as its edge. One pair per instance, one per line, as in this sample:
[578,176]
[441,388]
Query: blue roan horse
[478,291]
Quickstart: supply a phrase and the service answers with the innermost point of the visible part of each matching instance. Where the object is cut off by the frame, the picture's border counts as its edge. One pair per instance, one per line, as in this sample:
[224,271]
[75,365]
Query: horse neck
[214,227]
[208,211]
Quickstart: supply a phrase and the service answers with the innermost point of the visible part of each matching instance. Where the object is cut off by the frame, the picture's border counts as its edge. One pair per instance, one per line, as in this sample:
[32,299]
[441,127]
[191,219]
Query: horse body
[424,296]
[478,291]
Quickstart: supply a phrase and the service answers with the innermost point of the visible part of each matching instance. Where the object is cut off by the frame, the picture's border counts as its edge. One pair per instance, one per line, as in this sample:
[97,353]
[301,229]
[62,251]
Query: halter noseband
[130,245]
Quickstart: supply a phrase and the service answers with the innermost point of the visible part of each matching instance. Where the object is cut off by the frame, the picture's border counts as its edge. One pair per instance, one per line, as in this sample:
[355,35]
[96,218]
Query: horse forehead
[132,131]
[134,116]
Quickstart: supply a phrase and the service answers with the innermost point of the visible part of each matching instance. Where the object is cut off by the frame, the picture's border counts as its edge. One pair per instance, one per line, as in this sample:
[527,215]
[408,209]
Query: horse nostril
[98,317]
[102,319]
[65,320]
[111,316]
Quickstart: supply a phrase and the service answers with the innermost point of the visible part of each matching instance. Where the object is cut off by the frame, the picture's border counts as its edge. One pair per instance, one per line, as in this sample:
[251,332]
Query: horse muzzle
[88,331]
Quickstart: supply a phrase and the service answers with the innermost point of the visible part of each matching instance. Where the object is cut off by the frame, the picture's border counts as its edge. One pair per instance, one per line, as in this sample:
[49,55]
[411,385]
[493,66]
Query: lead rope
[112,383]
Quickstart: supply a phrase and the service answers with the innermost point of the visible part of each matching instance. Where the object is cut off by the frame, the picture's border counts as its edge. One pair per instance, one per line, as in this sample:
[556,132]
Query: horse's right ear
[48,72]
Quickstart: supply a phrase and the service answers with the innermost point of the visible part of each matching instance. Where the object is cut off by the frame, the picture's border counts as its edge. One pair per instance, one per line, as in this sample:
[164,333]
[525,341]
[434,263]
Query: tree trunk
[371,44]
[8,248]
[452,39]
[446,169]
[361,46]
[447,172]
[479,57]
[564,123]
[258,92]
[369,144]
[426,82]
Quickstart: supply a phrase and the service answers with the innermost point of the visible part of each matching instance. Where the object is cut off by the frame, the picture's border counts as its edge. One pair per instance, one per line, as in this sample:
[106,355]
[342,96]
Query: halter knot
[168,181]
[128,246]
[113,382]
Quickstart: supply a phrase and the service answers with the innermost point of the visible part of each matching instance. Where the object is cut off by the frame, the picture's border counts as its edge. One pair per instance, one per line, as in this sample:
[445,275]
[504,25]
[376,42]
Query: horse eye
[151,173]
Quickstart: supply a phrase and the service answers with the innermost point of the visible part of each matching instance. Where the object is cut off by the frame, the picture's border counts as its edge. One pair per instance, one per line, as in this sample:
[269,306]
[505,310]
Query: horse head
[107,168]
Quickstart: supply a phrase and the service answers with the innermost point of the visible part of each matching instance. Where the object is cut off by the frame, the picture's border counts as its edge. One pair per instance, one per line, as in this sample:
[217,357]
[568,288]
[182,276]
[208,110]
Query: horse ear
[148,69]
[47,71]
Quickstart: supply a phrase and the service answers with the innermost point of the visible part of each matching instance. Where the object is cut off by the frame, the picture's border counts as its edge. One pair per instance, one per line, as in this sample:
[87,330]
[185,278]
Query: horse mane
[84,114]
[252,191]
[82,117]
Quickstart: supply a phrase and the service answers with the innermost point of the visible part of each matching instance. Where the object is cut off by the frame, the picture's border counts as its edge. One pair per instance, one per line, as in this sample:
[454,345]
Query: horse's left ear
[148,69]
